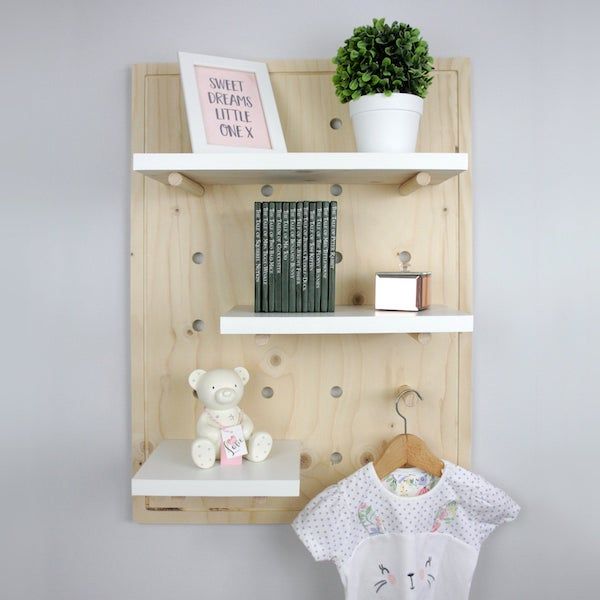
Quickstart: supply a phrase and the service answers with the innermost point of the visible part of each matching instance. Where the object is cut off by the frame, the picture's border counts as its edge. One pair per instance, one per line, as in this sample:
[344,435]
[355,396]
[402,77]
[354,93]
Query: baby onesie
[409,536]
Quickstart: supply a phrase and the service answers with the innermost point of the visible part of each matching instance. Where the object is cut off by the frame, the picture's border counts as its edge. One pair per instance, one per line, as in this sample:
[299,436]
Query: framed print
[230,105]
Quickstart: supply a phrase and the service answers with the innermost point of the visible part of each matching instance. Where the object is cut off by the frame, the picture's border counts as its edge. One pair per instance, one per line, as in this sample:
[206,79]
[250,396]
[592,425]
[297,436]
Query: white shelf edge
[346,320]
[291,160]
[340,167]
[169,471]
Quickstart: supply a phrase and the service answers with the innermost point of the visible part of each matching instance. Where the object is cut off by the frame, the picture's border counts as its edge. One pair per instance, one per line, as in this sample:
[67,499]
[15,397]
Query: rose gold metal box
[404,290]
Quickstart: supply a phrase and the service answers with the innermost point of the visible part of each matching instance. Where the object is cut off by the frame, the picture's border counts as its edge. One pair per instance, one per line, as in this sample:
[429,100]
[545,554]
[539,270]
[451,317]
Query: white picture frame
[234,133]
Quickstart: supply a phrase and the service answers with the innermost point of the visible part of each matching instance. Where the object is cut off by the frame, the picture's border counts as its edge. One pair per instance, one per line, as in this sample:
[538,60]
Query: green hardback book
[257,257]
[325,262]
[271,282]
[318,255]
[332,244]
[299,212]
[265,257]
[292,270]
[305,257]
[285,257]
[278,254]
[312,239]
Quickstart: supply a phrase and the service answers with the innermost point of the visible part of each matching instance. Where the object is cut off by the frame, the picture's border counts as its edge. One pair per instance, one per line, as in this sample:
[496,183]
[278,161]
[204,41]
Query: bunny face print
[424,574]
[389,546]
[417,567]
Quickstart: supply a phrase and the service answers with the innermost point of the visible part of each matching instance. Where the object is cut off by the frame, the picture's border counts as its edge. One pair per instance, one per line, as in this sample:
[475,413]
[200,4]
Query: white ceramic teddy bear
[221,390]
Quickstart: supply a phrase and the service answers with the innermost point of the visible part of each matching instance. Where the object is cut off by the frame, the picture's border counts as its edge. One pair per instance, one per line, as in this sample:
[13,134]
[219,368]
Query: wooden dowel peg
[416,182]
[422,338]
[177,180]
[409,396]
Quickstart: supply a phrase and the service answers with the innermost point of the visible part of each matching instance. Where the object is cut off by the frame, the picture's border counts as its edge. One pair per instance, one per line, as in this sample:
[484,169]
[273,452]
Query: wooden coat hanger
[407,449]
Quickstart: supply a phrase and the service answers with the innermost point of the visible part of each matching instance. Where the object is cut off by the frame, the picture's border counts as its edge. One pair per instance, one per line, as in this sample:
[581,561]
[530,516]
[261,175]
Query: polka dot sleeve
[486,505]
[319,527]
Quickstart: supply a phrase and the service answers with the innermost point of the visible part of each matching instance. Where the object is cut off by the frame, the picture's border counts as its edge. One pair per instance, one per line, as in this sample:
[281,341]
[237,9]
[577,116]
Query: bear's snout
[225,395]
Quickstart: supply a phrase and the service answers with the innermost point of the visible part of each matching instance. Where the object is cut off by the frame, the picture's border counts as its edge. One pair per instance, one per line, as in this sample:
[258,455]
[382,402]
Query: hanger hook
[398,398]
[401,393]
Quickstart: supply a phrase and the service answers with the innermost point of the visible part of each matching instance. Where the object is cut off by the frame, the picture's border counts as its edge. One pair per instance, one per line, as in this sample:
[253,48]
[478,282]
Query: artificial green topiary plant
[381,59]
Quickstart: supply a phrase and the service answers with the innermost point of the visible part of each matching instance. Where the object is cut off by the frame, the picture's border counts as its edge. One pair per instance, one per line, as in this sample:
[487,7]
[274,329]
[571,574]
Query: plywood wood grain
[169,292]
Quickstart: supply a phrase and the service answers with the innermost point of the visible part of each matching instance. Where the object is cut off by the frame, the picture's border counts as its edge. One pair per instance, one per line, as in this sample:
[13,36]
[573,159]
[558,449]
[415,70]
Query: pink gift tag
[226,461]
[233,445]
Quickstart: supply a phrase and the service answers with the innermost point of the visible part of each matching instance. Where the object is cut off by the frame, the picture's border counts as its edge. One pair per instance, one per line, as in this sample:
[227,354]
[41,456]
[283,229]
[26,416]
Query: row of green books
[294,256]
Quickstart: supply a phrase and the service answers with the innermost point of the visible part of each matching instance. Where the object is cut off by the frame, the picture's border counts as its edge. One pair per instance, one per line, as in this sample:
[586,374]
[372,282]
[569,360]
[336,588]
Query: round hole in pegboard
[198,258]
[336,189]
[336,123]
[267,392]
[405,256]
[198,325]
[339,257]
[275,360]
[336,391]
[266,190]
[336,458]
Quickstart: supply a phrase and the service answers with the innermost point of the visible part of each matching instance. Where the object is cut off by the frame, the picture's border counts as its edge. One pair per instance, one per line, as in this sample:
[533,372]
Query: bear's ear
[243,374]
[195,377]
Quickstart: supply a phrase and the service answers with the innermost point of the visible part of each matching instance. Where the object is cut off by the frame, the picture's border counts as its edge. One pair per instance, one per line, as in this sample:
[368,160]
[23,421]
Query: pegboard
[191,261]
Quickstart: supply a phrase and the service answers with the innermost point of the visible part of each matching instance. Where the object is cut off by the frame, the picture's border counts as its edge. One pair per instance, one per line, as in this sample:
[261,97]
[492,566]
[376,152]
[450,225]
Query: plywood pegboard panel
[169,292]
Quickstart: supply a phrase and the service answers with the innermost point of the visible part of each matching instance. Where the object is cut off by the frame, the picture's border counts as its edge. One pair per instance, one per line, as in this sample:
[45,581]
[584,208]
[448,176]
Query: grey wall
[64,158]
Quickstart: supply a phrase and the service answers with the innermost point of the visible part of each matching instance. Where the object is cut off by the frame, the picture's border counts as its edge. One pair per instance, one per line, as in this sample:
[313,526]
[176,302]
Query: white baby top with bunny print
[407,537]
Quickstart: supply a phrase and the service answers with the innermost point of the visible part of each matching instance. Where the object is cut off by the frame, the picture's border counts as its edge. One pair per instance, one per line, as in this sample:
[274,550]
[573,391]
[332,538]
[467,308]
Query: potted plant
[383,71]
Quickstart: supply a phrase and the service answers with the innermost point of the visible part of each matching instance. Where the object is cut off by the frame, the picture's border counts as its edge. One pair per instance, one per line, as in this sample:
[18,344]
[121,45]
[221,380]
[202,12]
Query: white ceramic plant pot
[386,123]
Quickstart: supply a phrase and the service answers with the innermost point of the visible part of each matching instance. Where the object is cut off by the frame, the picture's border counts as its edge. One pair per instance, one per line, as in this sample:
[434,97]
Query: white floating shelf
[301,167]
[347,319]
[169,471]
